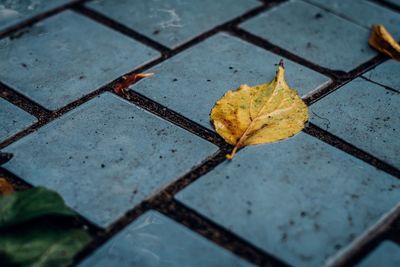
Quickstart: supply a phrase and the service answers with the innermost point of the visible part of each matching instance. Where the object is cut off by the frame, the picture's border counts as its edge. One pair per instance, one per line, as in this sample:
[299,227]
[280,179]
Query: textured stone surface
[299,199]
[386,74]
[172,22]
[15,11]
[230,62]
[106,156]
[65,57]
[154,240]
[12,119]
[365,115]
[364,13]
[313,34]
[386,254]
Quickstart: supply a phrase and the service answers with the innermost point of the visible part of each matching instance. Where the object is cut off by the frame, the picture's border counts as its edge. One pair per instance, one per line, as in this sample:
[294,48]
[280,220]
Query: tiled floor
[15,11]
[145,168]
[314,34]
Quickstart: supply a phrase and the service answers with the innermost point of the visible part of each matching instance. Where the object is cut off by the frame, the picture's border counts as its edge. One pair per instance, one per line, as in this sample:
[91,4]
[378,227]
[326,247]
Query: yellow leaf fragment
[382,41]
[260,114]
[5,187]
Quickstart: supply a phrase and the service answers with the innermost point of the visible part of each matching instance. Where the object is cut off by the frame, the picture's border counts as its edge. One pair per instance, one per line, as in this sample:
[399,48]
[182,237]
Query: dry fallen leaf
[260,114]
[121,87]
[5,187]
[382,41]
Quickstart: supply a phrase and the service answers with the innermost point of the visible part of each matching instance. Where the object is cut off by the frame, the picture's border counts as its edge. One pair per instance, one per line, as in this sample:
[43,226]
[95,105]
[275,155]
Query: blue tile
[106,156]
[65,57]
[365,115]
[313,34]
[387,254]
[173,22]
[15,11]
[299,199]
[205,72]
[364,13]
[13,119]
[155,240]
[386,74]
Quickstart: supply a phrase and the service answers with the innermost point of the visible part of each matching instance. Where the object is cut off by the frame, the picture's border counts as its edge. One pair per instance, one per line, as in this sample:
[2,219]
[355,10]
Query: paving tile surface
[12,119]
[155,240]
[364,13]
[300,199]
[365,115]
[386,74]
[15,11]
[313,34]
[106,156]
[230,63]
[386,254]
[173,22]
[65,57]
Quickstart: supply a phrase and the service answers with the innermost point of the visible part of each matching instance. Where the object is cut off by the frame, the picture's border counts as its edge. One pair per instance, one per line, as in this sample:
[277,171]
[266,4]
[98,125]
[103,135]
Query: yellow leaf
[382,41]
[5,187]
[260,114]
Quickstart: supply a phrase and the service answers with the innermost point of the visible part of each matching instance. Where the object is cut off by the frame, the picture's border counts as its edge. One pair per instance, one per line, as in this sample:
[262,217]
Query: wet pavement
[145,169]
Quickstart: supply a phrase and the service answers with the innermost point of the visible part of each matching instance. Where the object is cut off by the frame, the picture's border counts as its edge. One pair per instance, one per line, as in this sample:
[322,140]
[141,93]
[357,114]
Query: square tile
[172,22]
[205,72]
[313,34]
[386,254]
[154,240]
[16,11]
[364,13]
[365,115]
[66,57]
[13,119]
[106,156]
[300,199]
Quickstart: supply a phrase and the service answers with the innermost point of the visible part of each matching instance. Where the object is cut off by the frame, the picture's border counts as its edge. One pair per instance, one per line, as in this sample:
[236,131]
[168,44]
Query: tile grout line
[13,29]
[118,27]
[23,102]
[386,4]
[139,69]
[337,84]
[368,240]
[173,117]
[211,230]
[350,149]
[264,44]
[380,84]
[163,202]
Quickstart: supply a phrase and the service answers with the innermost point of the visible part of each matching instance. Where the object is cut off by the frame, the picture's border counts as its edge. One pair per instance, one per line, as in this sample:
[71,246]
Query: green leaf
[41,245]
[31,204]
[27,241]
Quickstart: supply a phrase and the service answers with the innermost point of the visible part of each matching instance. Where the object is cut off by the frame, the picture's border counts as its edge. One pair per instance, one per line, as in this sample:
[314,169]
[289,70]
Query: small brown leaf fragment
[259,114]
[384,42]
[127,80]
[5,187]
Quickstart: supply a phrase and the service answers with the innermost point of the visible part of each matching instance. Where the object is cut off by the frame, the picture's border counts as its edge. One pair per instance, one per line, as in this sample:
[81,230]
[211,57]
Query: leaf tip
[233,153]
[145,75]
[229,156]
[281,63]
